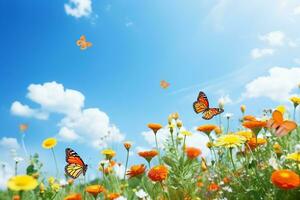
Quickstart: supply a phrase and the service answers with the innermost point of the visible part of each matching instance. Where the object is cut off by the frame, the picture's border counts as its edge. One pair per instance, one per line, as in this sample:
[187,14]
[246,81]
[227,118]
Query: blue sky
[246,52]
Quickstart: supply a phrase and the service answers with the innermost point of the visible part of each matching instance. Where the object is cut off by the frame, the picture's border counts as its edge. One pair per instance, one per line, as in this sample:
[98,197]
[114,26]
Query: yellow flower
[109,153]
[277,148]
[281,108]
[51,180]
[49,143]
[42,188]
[55,187]
[294,156]
[22,182]
[175,115]
[243,108]
[246,134]
[230,141]
[179,123]
[295,100]
[186,133]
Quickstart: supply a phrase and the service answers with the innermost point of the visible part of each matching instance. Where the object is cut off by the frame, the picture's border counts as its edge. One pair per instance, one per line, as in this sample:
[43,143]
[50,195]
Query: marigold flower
[295,100]
[154,127]
[113,196]
[285,179]
[23,127]
[243,108]
[255,142]
[76,196]
[277,148]
[127,145]
[230,141]
[249,118]
[226,180]
[16,197]
[94,189]
[207,129]
[108,153]
[22,182]
[213,187]
[136,170]
[254,126]
[192,152]
[294,156]
[218,130]
[200,184]
[246,134]
[148,155]
[158,173]
[49,143]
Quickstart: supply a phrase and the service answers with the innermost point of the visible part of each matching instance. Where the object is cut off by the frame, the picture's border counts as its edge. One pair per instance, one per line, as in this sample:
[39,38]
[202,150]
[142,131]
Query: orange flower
[207,129]
[16,197]
[76,196]
[112,163]
[253,142]
[136,170]
[154,127]
[254,126]
[285,179]
[70,181]
[213,187]
[192,152]
[113,196]
[127,145]
[226,180]
[158,173]
[148,155]
[199,184]
[249,118]
[94,189]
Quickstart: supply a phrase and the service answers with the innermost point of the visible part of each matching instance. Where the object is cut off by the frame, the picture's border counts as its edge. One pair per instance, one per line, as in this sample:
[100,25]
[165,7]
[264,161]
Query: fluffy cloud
[225,100]
[79,8]
[297,10]
[85,125]
[259,53]
[277,85]
[9,143]
[274,38]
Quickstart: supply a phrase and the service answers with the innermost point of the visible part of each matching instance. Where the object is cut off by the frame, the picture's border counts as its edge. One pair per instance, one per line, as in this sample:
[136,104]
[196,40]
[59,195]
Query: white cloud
[79,8]
[85,125]
[297,10]
[6,171]
[21,110]
[225,100]
[9,143]
[277,85]
[259,53]
[274,38]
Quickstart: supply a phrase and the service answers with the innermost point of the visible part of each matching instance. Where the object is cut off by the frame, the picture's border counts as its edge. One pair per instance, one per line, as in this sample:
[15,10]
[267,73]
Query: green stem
[157,148]
[230,151]
[16,168]
[126,164]
[55,162]
[227,126]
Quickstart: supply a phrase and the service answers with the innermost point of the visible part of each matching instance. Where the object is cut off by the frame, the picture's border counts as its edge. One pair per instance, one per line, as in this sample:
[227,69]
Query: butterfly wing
[211,112]
[74,170]
[164,84]
[75,165]
[277,117]
[201,104]
[285,128]
[89,44]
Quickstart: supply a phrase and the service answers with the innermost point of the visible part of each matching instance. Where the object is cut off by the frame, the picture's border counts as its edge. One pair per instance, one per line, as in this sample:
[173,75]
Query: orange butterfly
[83,43]
[164,84]
[23,127]
[75,165]
[202,106]
[279,126]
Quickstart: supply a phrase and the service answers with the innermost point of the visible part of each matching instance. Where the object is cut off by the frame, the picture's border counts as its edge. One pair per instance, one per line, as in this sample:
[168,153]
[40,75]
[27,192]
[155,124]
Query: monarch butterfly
[164,84]
[279,126]
[75,165]
[202,106]
[83,43]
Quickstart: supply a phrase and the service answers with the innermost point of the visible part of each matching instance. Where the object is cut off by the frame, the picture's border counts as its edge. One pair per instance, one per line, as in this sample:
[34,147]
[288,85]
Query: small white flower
[297,148]
[141,194]
[273,163]
[228,115]
[63,182]
[227,188]
[121,198]
[18,159]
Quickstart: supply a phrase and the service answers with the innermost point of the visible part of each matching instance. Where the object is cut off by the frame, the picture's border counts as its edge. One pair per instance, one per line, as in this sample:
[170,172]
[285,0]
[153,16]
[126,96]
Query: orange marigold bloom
[285,179]
[127,145]
[94,189]
[213,187]
[199,184]
[254,126]
[255,142]
[16,197]
[148,155]
[136,170]
[226,180]
[76,196]
[158,173]
[192,152]
[113,196]
[154,127]
[207,129]
[249,118]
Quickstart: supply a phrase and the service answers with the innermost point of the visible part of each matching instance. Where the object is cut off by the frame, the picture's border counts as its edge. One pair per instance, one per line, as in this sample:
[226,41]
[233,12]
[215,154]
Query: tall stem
[55,162]
[230,151]
[227,126]
[157,148]
[294,115]
[23,144]
[126,164]
[16,168]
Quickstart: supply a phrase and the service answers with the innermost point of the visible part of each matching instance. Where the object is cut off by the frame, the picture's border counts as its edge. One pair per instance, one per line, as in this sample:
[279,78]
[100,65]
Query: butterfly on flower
[82,43]
[164,84]
[279,126]
[202,106]
[75,165]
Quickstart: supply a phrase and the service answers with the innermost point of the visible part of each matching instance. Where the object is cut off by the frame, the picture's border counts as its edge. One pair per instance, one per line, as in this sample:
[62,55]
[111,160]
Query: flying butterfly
[279,126]
[75,165]
[202,106]
[82,43]
[164,84]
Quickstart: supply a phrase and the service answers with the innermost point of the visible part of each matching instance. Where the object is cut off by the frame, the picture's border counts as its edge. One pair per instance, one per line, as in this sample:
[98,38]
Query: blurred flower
[207,129]
[192,152]
[16,197]
[186,133]
[228,115]
[249,118]
[51,180]
[23,127]
[22,182]
[297,148]
[63,183]
[218,130]
[293,156]
[254,126]
[295,100]
[213,187]
[175,115]
[273,163]
[230,141]
[209,145]
[246,134]
[158,173]
[281,108]
[136,170]
[255,142]
[49,143]
[154,127]
[141,194]
[200,184]
[243,108]
[148,155]
[277,148]
[226,180]
[42,188]
[221,103]
[76,196]
[227,189]
[94,190]
[179,123]
[18,159]
[113,196]
[55,187]
[203,164]
[127,145]
[70,181]
[108,153]
[285,179]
